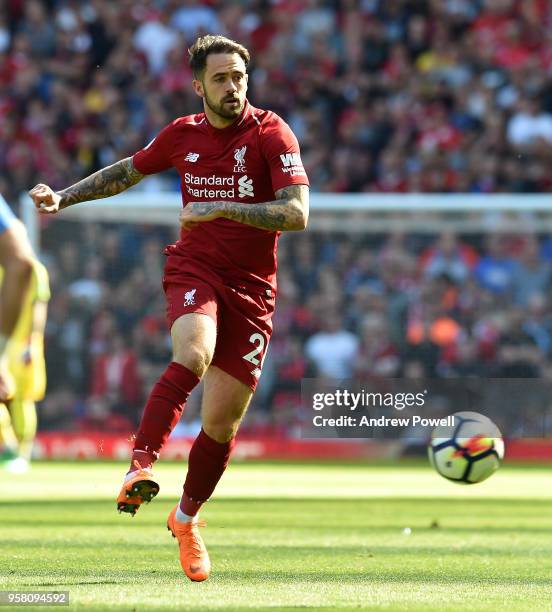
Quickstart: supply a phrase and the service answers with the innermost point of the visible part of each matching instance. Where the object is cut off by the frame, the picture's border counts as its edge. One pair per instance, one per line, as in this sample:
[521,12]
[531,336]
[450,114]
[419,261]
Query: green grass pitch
[286,536]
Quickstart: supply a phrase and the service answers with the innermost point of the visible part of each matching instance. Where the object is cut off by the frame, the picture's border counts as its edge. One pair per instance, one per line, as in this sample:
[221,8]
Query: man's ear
[198,88]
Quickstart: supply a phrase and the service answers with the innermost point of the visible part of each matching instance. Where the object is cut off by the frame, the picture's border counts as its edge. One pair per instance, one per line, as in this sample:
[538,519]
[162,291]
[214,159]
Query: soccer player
[16,261]
[25,361]
[242,184]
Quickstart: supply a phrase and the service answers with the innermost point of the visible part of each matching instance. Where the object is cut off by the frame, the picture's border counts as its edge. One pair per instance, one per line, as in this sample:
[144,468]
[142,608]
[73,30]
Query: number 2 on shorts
[259,342]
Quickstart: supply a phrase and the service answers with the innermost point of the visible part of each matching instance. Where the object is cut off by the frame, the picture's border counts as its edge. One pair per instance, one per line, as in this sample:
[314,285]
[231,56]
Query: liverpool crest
[239,156]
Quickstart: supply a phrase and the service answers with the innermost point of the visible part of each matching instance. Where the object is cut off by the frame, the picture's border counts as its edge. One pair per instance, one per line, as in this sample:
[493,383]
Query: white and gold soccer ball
[467,452]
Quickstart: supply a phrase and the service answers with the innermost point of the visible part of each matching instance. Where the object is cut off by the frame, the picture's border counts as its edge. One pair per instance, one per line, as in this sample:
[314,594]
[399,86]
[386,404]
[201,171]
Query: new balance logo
[192,157]
[189,298]
[245,187]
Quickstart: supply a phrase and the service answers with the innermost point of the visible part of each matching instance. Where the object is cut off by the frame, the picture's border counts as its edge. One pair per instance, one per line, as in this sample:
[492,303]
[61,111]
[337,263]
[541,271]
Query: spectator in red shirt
[116,378]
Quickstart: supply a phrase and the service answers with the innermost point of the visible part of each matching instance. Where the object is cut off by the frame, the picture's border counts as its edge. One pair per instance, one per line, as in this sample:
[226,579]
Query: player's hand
[45,199]
[198,212]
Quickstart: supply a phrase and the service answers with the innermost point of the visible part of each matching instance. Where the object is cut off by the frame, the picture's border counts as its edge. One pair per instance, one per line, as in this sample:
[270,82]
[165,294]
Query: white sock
[131,474]
[184,518]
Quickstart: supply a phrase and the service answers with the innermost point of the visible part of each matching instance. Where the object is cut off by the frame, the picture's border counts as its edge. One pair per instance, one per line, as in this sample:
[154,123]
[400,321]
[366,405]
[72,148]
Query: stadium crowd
[384,96]
[394,96]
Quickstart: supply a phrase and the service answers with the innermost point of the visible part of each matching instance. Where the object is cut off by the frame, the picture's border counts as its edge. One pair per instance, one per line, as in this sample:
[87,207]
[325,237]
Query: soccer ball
[469,451]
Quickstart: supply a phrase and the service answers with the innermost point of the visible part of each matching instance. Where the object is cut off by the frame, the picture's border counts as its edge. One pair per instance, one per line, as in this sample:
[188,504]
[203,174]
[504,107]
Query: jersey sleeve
[281,151]
[156,156]
[6,215]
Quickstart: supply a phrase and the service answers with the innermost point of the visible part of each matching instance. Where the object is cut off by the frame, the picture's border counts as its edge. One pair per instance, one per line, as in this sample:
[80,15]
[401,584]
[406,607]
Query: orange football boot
[142,487]
[194,557]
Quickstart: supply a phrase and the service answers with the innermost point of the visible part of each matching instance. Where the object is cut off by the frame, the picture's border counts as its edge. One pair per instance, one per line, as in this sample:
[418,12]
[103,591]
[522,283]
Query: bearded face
[223,86]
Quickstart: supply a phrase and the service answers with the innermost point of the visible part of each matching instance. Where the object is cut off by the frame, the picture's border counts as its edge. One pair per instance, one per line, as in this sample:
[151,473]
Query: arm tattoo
[102,184]
[288,212]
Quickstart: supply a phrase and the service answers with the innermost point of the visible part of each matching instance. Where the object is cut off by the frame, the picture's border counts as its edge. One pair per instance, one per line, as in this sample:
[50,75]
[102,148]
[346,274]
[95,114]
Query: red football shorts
[244,320]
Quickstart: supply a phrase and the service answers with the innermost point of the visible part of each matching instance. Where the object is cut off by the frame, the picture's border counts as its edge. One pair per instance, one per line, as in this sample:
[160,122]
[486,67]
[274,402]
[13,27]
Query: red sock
[206,464]
[162,412]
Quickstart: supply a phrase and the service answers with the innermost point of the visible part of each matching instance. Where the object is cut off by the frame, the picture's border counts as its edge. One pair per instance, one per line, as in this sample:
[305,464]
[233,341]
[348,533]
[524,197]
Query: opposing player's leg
[8,439]
[225,401]
[23,415]
[194,339]
[28,368]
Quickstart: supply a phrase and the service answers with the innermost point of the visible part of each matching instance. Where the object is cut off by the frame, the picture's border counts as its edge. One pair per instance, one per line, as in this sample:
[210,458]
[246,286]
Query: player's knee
[195,357]
[222,425]
[220,432]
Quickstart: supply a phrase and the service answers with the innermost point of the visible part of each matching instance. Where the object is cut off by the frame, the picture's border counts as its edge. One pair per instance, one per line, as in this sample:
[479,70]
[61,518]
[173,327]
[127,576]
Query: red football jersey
[246,163]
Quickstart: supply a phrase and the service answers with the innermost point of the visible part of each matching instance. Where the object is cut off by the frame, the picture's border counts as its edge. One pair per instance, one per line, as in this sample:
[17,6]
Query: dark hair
[205,45]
